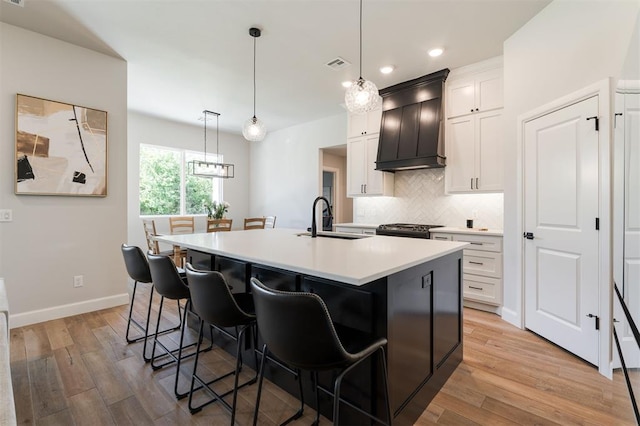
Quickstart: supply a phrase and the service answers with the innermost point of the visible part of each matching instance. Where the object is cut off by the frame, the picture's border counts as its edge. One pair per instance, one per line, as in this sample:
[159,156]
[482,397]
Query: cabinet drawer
[480,242]
[482,289]
[482,263]
[348,229]
[441,237]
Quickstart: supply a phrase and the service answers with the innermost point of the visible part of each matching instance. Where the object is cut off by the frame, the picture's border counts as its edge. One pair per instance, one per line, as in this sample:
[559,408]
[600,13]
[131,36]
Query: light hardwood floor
[79,370]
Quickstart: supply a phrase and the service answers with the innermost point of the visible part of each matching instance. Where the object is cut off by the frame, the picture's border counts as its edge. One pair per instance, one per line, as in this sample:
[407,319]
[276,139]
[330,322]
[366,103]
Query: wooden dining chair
[219,225]
[181,225]
[150,233]
[254,223]
[270,222]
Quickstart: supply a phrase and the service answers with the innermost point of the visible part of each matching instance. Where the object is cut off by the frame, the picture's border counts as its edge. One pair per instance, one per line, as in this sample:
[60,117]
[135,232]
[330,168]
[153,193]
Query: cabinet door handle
[476,263]
[476,183]
[475,288]
[365,188]
[476,109]
[471,109]
[361,190]
[471,183]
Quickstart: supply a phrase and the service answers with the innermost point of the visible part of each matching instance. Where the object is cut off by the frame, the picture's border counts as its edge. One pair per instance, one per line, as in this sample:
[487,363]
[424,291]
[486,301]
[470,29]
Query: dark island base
[418,310]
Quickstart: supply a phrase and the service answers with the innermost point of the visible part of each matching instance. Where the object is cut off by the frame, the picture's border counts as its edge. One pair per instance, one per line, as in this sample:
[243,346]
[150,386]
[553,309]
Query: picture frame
[60,148]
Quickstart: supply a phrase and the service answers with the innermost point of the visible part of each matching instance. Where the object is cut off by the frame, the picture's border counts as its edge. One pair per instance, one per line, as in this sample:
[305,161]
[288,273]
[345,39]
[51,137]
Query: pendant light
[206,168]
[362,96]
[254,129]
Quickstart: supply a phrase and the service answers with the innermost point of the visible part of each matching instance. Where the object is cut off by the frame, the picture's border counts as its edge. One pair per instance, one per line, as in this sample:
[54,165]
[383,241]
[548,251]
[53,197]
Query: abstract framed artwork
[61,149]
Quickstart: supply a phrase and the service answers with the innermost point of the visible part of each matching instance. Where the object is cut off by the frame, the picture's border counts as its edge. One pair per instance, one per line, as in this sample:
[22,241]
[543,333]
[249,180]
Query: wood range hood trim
[412,126]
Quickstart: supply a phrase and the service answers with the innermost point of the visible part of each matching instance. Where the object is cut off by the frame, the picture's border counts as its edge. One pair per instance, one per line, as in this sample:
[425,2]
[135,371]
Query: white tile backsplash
[420,198]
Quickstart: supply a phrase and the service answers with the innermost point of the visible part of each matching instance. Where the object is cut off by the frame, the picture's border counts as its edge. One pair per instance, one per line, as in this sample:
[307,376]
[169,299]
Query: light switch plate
[6,215]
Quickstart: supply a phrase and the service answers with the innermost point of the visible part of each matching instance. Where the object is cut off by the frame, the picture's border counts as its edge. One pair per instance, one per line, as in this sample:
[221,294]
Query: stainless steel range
[411,230]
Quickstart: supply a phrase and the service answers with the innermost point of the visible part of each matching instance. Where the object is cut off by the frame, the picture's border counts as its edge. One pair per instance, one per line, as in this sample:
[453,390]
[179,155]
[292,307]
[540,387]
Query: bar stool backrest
[166,279]
[136,264]
[212,300]
[297,329]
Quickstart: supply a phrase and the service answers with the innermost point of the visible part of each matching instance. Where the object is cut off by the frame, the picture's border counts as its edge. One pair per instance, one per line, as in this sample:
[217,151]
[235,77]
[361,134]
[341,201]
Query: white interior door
[561,207]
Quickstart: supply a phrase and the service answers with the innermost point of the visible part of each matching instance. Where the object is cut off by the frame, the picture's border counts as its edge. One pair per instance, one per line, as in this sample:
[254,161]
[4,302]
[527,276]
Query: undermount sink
[339,235]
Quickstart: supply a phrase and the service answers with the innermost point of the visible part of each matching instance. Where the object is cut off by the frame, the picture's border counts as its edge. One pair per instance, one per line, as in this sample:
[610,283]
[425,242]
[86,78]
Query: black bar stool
[170,285]
[138,270]
[297,329]
[214,303]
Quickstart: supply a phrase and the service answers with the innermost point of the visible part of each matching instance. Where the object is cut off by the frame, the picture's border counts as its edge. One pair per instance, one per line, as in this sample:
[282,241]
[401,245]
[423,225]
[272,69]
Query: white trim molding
[62,311]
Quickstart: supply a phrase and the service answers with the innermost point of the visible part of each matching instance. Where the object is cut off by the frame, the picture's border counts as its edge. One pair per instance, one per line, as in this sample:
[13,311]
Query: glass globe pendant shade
[254,129]
[362,96]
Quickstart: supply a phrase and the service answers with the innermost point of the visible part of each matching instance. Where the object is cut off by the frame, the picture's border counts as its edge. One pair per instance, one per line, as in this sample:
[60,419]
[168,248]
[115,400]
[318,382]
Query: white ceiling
[185,56]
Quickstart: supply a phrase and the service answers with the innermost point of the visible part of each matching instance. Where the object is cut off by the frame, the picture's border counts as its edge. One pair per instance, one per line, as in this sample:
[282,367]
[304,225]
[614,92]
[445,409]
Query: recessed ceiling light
[435,52]
[388,69]
[347,84]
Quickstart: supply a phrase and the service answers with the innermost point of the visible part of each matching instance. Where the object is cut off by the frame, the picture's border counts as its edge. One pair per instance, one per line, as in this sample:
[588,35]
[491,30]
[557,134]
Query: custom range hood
[412,128]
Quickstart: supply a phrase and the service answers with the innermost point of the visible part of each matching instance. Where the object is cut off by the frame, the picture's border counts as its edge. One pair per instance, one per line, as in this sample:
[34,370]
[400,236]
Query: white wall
[285,177]
[567,46]
[419,197]
[51,239]
[144,129]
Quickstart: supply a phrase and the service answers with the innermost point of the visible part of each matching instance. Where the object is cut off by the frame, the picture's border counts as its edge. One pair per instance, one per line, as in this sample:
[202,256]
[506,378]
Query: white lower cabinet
[481,266]
[356,230]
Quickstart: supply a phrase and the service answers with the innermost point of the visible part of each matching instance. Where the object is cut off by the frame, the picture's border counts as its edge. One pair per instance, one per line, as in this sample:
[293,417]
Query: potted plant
[216,210]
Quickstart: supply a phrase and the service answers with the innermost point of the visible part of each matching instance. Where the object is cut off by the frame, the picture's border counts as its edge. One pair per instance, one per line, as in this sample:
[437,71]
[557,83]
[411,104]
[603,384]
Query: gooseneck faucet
[314,229]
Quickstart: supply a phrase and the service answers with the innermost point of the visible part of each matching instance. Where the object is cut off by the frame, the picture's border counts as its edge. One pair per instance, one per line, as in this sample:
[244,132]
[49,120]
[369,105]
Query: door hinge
[597,320]
[595,117]
[597,223]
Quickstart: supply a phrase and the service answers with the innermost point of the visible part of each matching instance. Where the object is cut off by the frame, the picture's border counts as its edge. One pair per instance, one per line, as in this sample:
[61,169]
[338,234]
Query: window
[165,186]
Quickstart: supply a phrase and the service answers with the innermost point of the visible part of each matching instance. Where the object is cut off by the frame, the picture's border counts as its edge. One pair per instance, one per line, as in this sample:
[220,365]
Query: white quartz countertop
[470,231]
[354,262]
[356,225]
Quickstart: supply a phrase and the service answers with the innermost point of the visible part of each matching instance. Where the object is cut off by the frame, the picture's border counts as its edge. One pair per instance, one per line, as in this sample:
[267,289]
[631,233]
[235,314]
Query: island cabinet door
[235,272]
[447,313]
[276,279]
[200,260]
[409,333]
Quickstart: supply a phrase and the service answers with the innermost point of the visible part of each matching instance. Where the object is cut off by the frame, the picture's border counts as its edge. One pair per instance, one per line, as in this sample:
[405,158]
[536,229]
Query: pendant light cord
[205,136]
[360,39]
[254,77]
[206,112]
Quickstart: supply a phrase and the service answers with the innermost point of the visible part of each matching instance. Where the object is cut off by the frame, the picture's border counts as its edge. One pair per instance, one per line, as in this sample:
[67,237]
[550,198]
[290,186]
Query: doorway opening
[333,185]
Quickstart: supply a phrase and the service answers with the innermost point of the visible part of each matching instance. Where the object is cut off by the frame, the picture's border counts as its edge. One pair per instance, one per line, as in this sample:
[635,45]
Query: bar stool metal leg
[145,328]
[171,354]
[299,413]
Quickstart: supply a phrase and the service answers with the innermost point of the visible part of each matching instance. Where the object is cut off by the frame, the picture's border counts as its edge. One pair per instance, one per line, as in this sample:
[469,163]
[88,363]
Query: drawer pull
[476,263]
[441,238]
[475,244]
[476,288]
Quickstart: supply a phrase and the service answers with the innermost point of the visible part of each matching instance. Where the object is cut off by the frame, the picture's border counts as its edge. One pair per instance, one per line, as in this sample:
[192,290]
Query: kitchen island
[406,290]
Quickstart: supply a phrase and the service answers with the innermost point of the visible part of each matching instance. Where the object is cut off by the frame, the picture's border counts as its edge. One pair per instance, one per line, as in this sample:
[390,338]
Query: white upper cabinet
[363,180]
[363,134]
[474,153]
[475,93]
[364,124]
[473,131]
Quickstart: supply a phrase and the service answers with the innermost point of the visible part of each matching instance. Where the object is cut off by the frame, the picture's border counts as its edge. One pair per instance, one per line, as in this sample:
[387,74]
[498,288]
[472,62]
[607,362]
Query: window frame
[217,185]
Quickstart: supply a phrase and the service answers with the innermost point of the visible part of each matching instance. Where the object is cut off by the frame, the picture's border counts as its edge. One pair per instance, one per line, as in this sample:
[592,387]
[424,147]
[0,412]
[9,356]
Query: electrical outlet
[78,281]
[6,215]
